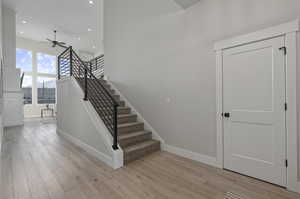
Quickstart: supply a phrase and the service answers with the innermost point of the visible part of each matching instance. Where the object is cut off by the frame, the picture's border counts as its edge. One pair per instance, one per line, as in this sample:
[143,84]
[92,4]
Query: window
[46,88]
[46,63]
[27,89]
[24,60]
[39,81]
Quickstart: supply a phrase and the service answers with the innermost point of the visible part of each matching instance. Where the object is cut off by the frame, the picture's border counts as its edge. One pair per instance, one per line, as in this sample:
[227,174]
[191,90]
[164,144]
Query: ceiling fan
[57,43]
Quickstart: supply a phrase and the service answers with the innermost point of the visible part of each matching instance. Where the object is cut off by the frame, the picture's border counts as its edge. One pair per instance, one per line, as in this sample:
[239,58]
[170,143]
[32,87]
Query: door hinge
[285,106]
[286,163]
[284,50]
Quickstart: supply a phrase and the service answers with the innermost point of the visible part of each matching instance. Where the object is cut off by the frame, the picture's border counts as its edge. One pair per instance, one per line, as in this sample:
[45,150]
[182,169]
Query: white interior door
[254,107]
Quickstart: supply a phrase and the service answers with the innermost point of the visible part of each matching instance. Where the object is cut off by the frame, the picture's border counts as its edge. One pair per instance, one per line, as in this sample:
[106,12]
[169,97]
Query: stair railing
[70,64]
[97,66]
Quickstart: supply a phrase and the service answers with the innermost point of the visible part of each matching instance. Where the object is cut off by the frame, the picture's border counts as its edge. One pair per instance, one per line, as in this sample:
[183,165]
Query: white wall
[13,104]
[101,49]
[100,23]
[1,80]
[9,37]
[162,59]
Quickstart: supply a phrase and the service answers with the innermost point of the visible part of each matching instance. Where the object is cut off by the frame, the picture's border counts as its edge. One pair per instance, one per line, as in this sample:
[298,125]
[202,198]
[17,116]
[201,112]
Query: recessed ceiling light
[24,22]
[91,2]
[79,38]
[94,47]
[21,32]
[89,29]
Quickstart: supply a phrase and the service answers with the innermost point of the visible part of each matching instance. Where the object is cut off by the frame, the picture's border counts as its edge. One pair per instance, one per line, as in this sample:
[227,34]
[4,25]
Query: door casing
[289,31]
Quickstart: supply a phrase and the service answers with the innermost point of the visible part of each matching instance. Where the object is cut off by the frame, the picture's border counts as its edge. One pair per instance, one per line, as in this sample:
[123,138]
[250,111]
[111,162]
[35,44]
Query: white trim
[288,30]
[275,31]
[191,155]
[13,124]
[219,108]
[118,159]
[291,114]
[1,134]
[148,127]
[91,150]
[13,92]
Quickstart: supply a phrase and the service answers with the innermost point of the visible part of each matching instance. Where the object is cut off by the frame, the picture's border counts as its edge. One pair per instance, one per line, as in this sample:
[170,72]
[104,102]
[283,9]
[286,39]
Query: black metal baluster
[115,122]
[91,69]
[58,67]
[71,61]
[85,85]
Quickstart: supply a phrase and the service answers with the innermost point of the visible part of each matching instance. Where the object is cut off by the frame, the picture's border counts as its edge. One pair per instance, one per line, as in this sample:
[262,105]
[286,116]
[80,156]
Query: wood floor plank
[37,186]
[36,163]
[21,186]
[54,188]
[7,189]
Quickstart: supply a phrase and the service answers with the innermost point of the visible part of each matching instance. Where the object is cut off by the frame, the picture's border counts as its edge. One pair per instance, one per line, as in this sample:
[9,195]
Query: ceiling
[71,18]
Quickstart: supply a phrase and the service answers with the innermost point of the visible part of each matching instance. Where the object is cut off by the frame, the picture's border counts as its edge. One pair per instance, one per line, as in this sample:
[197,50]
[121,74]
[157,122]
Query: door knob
[226,115]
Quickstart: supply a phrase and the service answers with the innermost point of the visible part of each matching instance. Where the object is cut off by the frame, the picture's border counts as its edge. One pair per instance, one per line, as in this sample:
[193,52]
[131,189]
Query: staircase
[127,131]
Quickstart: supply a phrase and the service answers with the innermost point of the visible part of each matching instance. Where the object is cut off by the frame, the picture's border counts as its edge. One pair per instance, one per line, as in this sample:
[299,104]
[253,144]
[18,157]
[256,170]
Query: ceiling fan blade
[61,45]
[49,40]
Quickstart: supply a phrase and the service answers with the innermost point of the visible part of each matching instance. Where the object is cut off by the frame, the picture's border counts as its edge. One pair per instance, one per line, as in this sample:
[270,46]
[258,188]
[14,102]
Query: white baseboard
[212,161]
[91,150]
[13,123]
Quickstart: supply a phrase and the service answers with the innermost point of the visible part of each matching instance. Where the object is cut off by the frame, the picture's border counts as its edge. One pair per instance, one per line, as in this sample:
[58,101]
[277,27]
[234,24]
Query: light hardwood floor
[38,164]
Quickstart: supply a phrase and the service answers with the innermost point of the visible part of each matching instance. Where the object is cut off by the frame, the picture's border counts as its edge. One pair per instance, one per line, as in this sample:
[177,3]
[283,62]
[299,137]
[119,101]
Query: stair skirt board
[115,161]
[91,150]
[135,141]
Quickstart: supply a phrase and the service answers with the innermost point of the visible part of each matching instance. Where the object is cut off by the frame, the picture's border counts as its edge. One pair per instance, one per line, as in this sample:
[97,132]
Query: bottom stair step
[134,138]
[139,150]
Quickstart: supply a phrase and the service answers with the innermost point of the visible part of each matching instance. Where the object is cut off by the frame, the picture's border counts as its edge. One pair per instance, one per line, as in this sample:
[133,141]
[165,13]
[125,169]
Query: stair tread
[129,124]
[140,145]
[119,107]
[123,107]
[134,134]
[126,115]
